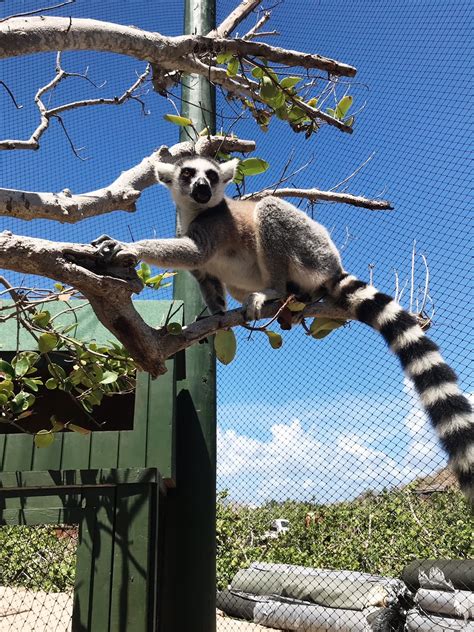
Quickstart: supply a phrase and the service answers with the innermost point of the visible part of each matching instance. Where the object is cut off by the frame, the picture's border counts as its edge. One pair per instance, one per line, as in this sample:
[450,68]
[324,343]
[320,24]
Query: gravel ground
[24,610]
[225,624]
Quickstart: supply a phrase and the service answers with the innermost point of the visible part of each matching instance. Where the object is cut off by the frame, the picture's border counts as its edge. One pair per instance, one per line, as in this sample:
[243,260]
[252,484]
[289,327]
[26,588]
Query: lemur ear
[164,172]
[228,169]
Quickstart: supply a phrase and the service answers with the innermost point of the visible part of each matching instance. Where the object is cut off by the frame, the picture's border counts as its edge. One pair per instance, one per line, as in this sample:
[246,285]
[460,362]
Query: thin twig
[42,10]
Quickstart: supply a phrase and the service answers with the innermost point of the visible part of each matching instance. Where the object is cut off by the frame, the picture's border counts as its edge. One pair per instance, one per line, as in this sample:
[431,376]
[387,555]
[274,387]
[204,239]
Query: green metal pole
[189,583]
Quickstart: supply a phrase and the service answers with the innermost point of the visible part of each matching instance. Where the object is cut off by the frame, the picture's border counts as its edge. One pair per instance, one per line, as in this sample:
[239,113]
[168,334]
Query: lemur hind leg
[212,290]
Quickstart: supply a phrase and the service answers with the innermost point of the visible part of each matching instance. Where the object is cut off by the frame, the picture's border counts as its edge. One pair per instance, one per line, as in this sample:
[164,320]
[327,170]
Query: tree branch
[47,114]
[328,196]
[24,36]
[122,194]
[109,292]
[235,18]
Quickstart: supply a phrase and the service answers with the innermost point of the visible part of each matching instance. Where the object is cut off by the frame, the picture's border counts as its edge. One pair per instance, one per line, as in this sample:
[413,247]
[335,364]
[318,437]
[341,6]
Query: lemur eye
[187,173]
[212,176]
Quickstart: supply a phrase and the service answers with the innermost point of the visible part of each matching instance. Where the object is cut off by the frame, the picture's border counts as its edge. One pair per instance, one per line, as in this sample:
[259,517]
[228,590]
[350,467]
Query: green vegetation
[377,533]
[36,558]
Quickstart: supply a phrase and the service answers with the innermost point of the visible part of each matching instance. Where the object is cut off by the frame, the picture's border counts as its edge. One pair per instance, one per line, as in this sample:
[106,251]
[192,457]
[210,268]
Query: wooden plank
[102,559]
[84,565]
[131,600]
[161,444]
[133,443]
[49,458]
[89,328]
[76,451]
[18,452]
[104,449]
[77,478]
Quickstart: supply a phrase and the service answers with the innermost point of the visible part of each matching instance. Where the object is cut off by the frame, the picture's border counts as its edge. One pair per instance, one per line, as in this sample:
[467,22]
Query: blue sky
[343,398]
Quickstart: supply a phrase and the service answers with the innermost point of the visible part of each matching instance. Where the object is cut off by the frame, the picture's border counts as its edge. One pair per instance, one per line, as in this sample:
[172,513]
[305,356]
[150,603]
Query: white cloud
[333,453]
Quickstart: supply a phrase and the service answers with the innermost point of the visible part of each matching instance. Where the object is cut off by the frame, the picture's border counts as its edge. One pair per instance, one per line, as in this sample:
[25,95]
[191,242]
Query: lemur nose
[201,191]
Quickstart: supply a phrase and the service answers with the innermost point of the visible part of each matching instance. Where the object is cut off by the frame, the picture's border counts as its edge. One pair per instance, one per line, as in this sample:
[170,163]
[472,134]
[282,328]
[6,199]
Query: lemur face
[197,182]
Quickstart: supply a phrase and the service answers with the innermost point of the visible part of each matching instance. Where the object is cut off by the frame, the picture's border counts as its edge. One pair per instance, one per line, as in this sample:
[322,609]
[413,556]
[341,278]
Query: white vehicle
[277,527]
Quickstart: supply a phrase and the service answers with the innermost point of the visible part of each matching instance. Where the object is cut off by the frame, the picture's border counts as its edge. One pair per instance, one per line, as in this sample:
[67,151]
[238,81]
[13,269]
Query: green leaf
[41,318]
[275,339]
[109,377]
[78,429]
[174,328]
[144,272]
[6,386]
[47,342]
[3,398]
[258,73]
[223,58]
[296,306]
[350,121]
[51,384]
[34,384]
[297,115]
[6,369]
[232,67]
[253,166]
[43,438]
[331,112]
[56,426]
[56,371]
[278,101]
[268,90]
[178,120]
[225,345]
[21,401]
[322,327]
[343,107]
[289,82]
[20,364]
[282,113]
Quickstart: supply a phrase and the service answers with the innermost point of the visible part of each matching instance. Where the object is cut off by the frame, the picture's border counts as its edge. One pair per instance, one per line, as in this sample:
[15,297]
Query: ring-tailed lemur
[259,251]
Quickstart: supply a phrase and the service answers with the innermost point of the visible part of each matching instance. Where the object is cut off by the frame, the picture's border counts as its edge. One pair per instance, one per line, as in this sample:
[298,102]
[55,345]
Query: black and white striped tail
[436,383]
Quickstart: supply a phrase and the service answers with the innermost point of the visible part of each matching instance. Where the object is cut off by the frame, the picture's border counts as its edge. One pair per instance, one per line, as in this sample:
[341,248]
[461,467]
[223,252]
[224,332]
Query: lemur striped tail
[436,383]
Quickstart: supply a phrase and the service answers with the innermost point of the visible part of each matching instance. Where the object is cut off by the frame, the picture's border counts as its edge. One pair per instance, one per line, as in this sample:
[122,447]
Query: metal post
[189,581]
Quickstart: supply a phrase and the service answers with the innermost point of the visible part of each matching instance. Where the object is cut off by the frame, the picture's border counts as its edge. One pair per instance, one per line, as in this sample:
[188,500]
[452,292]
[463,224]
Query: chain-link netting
[331,483]
[325,457]
[37,570]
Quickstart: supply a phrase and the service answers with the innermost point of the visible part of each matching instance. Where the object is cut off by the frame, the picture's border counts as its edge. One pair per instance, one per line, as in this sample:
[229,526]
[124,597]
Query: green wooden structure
[112,483]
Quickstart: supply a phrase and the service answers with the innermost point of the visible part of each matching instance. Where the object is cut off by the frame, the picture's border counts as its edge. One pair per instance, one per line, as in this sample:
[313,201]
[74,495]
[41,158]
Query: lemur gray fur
[260,251]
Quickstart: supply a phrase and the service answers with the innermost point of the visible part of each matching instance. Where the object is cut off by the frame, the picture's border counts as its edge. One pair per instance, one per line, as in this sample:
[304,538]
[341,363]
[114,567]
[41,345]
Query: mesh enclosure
[37,570]
[330,480]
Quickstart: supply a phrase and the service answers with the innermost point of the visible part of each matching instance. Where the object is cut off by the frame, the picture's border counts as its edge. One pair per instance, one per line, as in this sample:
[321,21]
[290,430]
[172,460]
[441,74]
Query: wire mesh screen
[37,570]
[330,481]
[325,457]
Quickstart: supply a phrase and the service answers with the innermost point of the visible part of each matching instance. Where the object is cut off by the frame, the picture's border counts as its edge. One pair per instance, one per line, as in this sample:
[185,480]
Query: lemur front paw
[110,249]
[252,307]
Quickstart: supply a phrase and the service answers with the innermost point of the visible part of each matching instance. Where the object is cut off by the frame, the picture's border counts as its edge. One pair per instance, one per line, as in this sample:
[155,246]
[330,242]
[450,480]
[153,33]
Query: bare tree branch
[253,32]
[47,114]
[122,194]
[109,291]
[235,18]
[40,10]
[328,196]
[23,36]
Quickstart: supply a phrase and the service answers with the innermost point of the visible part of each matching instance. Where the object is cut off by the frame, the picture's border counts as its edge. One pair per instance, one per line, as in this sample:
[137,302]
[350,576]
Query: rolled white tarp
[458,603]
[418,622]
[348,590]
[308,618]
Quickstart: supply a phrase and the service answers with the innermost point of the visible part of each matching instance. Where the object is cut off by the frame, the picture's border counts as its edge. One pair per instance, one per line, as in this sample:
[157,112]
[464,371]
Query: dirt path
[225,624]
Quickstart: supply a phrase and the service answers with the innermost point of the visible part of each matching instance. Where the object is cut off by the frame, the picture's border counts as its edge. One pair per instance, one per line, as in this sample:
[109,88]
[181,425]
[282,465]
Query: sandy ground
[24,610]
[30,611]
[224,624]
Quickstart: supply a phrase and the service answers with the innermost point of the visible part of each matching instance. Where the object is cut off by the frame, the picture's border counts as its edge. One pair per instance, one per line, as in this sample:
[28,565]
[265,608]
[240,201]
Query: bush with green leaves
[379,533]
[35,558]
